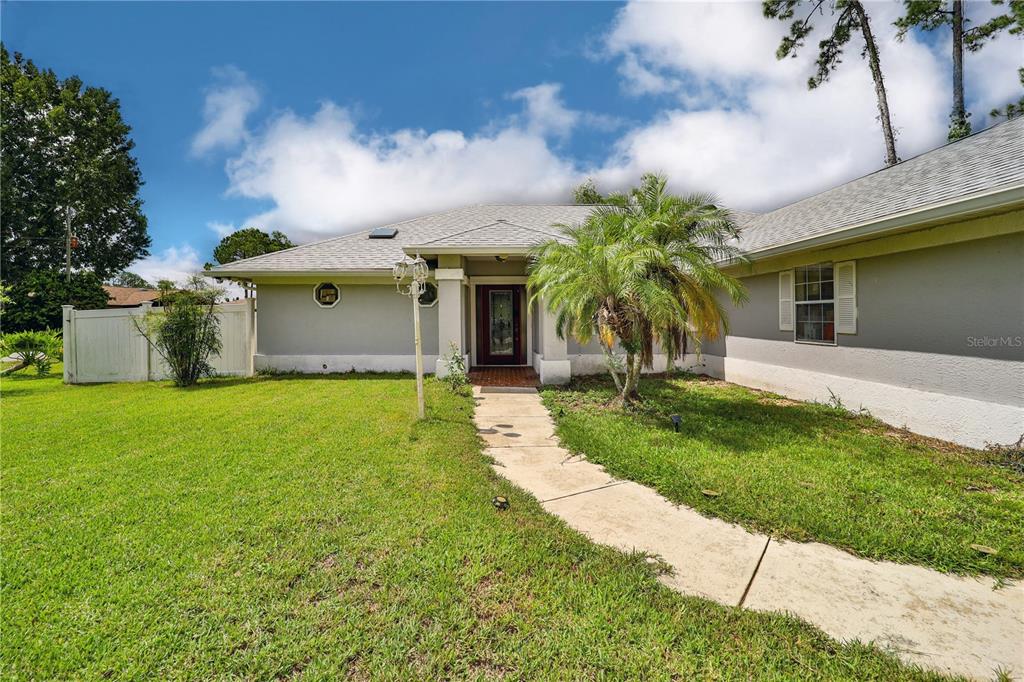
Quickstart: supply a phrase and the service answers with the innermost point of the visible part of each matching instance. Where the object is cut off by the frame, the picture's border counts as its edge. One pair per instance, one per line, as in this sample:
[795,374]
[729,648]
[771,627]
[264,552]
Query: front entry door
[499,332]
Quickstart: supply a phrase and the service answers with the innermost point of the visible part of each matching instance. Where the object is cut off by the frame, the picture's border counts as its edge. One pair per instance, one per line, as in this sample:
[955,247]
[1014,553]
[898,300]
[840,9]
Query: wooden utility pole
[67,244]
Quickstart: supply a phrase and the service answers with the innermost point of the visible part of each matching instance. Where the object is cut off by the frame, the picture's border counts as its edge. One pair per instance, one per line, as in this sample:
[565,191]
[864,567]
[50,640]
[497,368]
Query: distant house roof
[129,297]
[981,165]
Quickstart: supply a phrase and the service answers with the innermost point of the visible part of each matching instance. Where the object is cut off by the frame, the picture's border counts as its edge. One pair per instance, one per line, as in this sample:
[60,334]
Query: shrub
[32,349]
[36,300]
[186,331]
[455,364]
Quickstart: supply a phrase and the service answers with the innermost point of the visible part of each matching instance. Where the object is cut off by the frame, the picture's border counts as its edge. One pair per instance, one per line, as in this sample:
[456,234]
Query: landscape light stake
[418,270]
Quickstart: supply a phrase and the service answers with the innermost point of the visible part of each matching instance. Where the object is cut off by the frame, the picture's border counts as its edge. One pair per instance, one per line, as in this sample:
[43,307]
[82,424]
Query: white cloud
[546,113]
[227,107]
[747,127]
[175,263]
[742,124]
[638,79]
[221,229]
[325,177]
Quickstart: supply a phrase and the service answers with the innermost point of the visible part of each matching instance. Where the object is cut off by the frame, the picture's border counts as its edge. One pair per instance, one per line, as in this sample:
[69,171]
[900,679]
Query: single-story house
[901,292]
[130,297]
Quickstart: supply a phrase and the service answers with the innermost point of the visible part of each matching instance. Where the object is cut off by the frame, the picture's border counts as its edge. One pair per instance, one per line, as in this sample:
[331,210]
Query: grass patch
[285,527]
[805,471]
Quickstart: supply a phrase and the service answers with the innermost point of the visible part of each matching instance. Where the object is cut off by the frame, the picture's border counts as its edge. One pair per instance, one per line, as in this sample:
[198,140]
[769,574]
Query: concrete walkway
[947,623]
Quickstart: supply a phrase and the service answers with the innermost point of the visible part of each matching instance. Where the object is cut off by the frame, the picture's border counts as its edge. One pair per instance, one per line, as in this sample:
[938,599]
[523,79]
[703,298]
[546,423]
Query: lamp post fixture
[416,271]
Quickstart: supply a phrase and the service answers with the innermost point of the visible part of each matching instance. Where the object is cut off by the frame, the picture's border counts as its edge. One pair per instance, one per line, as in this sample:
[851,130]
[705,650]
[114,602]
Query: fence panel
[105,345]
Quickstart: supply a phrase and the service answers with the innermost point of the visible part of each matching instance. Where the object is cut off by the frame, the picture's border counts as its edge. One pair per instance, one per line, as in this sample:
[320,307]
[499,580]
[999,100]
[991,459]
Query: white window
[326,295]
[814,298]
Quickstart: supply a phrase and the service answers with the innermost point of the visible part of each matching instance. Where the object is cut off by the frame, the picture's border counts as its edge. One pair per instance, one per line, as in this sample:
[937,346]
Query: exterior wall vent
[383,233]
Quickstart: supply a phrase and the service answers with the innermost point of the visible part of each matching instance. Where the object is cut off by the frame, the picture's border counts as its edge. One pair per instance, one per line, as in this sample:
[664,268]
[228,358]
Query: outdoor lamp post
[417,271]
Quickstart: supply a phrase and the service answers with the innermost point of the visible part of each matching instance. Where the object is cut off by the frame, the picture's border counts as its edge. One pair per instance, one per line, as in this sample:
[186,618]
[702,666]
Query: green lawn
[805,471]
[309,527]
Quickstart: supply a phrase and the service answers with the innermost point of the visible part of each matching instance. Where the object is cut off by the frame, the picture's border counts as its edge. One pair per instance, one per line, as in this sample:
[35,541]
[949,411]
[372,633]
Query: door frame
[525,312]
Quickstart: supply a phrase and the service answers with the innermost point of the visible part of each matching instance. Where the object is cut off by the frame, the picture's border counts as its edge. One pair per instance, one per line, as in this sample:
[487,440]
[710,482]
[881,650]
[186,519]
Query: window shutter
[786,301]
[846,297]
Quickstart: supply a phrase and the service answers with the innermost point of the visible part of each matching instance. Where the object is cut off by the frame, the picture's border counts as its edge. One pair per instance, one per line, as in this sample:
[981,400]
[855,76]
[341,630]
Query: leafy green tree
[1011,21]
[848,16]
[586,193]
[126,278]
[65,148]
[249,242]
[36,299]
[639,270]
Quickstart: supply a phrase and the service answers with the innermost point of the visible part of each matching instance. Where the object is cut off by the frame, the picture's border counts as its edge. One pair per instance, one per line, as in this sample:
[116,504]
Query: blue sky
[323,118]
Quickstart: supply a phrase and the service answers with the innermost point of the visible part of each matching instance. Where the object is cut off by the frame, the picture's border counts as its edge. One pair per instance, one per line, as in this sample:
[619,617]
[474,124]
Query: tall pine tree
[848,17]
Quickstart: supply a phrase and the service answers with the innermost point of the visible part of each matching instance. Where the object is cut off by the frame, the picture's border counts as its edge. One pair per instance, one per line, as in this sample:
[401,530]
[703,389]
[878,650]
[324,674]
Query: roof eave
[413,249]
[981,202]
[270,274]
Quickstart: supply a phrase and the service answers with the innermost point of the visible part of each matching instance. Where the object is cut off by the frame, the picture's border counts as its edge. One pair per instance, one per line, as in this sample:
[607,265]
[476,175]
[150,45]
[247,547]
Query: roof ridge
[499,221]
[328,240]
[470,229]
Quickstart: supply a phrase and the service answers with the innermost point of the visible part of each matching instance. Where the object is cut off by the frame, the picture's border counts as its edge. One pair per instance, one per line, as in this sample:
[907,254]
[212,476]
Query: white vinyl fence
[105,345]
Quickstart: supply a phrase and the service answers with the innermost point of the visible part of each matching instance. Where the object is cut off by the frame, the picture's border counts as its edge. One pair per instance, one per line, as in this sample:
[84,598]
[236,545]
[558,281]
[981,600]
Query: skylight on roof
[383,233]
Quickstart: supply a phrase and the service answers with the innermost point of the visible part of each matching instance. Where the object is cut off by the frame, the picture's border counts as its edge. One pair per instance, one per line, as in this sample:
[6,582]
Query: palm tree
[697,234]
[641,269]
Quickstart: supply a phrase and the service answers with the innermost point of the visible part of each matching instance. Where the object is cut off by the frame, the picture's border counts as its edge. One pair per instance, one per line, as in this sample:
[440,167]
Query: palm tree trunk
[871,50]
[610,363]
[630,392]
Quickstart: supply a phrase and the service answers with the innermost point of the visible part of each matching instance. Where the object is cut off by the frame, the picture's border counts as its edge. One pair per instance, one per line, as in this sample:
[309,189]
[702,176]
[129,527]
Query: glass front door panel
[501,322]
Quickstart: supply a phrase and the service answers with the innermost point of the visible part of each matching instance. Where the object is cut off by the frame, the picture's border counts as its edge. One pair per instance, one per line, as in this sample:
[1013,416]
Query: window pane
[501,322]
[801,275]
[826,272]
[801,292]
[814,292]
[814,322]
[827,291]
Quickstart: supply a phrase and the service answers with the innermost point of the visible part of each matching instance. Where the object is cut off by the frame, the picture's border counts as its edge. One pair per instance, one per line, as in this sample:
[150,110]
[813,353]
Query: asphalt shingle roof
[498,234]
[496,224]
[990,160]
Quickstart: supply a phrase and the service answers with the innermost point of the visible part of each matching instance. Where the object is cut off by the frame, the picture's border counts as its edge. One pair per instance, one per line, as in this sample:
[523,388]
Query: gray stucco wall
[930,300]
[369,320]
[922,317]
[573,346]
